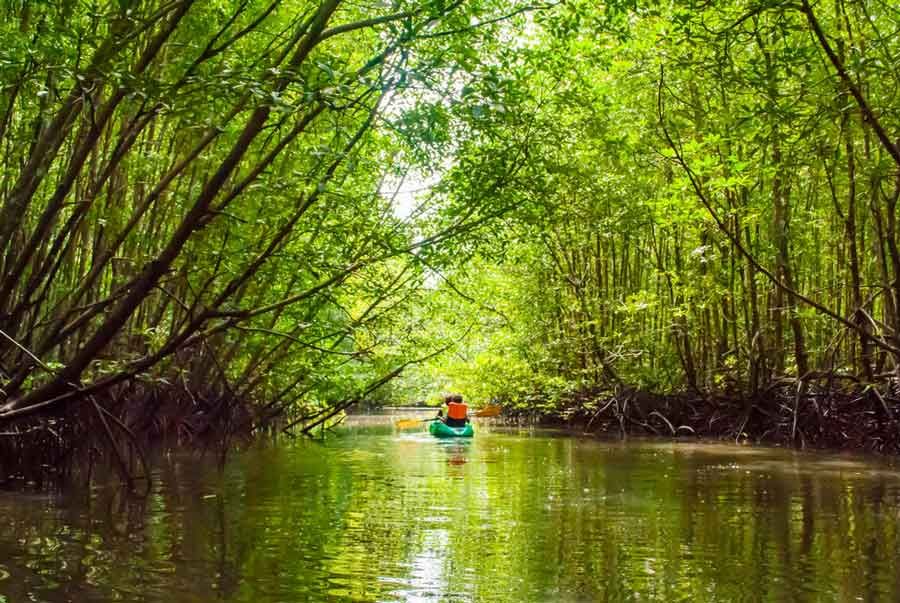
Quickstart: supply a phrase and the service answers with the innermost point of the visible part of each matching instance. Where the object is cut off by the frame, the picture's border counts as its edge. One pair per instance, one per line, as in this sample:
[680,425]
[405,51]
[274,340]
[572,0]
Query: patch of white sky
[410,191]
[409,188]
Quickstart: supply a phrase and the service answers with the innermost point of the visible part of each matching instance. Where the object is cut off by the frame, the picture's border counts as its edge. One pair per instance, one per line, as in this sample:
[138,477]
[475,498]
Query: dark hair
[456,398]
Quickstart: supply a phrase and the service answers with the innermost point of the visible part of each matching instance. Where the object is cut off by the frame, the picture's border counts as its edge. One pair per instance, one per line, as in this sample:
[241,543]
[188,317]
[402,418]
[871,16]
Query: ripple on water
[523,516]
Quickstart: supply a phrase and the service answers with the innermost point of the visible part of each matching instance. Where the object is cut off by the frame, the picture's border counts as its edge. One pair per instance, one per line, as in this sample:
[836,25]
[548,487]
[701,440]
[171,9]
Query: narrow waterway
[512,515]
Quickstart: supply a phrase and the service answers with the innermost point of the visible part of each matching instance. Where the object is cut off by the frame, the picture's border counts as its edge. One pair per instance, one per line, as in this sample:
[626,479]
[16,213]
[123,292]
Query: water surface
[511,515]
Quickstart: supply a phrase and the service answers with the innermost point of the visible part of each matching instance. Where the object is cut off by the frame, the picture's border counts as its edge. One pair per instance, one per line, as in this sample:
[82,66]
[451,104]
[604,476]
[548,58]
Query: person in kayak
[457,411]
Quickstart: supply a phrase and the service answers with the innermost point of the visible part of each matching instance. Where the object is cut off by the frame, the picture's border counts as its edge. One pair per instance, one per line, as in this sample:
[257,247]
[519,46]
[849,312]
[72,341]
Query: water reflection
[377,515]
[457,451]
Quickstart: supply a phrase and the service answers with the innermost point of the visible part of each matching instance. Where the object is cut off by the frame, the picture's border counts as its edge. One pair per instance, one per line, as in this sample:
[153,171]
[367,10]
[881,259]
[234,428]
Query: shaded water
[376,515]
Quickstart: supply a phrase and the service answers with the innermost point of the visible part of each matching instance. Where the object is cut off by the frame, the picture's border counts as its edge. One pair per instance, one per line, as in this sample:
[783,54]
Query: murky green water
[377,515]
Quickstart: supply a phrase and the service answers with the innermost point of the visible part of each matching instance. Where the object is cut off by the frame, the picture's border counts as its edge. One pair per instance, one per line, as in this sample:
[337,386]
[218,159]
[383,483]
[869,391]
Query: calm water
[376,515]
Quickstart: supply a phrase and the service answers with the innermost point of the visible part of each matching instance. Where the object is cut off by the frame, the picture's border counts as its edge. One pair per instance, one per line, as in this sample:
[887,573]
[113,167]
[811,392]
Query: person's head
[448,398]
[456,398]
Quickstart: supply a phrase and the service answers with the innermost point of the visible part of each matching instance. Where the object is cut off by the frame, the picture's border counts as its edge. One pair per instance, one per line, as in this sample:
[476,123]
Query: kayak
[440,429]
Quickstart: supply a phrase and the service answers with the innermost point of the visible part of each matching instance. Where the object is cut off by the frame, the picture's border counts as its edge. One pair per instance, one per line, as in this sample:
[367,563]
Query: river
[515,515]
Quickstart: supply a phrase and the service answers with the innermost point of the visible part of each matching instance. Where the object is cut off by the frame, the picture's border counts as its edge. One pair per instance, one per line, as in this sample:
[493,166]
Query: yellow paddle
[407,423]
[488,411]
[492,410]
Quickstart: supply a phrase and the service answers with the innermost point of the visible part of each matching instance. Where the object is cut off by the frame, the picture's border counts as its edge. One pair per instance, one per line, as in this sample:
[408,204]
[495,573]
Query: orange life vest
[457,410]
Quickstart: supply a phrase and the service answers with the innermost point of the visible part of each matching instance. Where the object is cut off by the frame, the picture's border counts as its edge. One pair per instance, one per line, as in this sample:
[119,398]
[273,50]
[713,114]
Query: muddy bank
[787,413]
[117,429]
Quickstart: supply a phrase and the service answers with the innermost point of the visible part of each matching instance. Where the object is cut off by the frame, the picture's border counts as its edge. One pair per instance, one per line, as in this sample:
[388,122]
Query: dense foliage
[711,208]
[196,207]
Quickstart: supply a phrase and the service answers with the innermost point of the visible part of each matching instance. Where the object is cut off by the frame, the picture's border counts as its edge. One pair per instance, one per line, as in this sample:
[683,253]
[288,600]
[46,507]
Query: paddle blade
[489,411]
[408,423]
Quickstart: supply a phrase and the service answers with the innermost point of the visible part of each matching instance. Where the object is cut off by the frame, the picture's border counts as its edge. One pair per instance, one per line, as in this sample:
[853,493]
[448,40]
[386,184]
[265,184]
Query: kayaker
[457,411]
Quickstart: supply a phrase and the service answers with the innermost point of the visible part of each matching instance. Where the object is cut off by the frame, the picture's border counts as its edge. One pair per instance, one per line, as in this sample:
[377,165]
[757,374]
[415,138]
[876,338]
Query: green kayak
[441,430]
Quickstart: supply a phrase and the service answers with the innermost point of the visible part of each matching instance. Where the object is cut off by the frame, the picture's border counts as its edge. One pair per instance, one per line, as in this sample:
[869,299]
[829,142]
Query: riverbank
[116,431]
[787,413]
